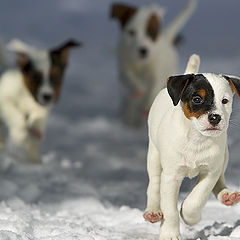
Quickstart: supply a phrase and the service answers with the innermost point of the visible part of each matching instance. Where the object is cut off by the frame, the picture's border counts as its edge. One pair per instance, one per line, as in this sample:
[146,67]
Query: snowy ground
[93,180]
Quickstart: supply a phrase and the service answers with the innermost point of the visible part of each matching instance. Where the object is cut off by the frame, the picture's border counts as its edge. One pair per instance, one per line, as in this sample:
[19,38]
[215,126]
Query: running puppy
[146,56]
[188,124]
[28,92]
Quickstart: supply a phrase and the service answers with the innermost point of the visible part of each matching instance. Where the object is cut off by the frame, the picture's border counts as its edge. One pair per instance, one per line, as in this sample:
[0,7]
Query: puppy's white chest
[196,156]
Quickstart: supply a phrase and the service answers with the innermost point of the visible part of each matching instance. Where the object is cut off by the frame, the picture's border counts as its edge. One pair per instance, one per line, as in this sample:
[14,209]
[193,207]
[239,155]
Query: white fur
[178,148]
[193,64]
[20,112]
[148,75]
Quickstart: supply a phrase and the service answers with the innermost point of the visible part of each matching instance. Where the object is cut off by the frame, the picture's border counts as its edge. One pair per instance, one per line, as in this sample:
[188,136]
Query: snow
[92,183]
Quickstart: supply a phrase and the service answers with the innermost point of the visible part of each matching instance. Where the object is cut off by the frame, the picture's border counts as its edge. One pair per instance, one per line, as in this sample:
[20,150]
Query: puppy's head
[42,70]
[140,28]
[206,100]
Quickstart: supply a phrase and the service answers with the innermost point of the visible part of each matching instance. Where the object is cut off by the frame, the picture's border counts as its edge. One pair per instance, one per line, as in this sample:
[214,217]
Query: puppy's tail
[180,20]
[193,64]
[4,63]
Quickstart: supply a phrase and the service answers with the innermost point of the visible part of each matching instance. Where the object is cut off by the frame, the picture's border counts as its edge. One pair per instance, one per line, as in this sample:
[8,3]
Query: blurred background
[87,152]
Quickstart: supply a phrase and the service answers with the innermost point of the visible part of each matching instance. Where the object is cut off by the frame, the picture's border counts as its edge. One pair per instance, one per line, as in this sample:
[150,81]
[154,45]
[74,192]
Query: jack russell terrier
[188,124]
[28,92]
[146,56]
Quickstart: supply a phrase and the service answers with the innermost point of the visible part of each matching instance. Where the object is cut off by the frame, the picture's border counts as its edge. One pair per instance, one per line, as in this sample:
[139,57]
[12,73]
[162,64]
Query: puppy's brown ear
[234,83]
[122,12]
[176,86]
[61,52]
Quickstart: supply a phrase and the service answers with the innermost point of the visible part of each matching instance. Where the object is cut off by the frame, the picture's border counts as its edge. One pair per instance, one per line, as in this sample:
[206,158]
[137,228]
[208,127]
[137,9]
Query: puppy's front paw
[229,197]
[153,216]
[35,133]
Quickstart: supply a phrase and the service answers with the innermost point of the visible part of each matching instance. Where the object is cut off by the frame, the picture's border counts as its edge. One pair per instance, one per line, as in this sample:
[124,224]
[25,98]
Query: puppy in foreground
[147,55]
[28,92]
[188,124]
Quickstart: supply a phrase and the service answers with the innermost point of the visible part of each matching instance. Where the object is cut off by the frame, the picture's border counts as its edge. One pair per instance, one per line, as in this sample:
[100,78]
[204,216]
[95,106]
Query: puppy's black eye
[225,101]
[197,100]
[131,33]
[37,78]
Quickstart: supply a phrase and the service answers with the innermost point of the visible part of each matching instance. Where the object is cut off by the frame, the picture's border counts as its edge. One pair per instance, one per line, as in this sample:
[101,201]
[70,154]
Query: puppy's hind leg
[153,211]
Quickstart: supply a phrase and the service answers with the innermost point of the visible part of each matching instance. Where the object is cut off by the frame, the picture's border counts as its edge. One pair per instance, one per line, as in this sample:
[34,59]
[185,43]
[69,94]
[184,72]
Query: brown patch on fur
[59,59]
[153,26]
[123,12]
[31,82]
[64,56]
[56,73]
[202,93]
[233,87]
[60,54]
[57,91]
[22,60]
[188,113]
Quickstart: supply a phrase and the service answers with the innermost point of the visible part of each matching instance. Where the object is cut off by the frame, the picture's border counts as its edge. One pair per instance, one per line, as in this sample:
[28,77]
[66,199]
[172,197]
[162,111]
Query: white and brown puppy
[188,124]
[28,92]
[146,55]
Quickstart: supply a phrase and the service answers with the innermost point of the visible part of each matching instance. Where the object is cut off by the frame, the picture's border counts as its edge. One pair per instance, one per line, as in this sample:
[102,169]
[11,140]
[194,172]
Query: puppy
[146,56]
[188,124]
[28,92]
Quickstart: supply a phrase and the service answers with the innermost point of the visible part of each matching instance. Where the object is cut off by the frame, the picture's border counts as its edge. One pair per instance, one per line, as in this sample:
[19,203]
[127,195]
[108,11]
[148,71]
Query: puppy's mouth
[213,129]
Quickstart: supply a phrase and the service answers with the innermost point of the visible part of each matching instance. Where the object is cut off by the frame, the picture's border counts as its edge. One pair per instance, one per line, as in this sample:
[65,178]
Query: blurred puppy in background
[146,56]
[28,92]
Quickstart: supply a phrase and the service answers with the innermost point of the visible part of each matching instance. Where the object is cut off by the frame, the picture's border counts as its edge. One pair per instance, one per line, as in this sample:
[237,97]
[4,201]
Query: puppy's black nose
[214,119]
[143,52]
[47,97]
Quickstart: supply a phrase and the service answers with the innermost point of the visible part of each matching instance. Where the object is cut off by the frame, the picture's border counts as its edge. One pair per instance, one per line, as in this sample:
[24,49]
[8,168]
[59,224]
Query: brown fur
[153,26]
[31,83]
[188,113]
[64,55]
[123,12]
[234,88]
[56,80]
[202,93]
